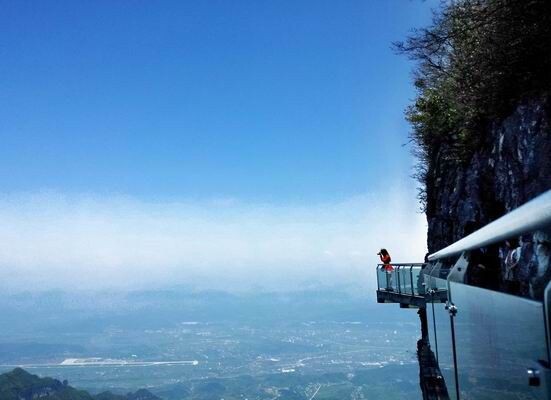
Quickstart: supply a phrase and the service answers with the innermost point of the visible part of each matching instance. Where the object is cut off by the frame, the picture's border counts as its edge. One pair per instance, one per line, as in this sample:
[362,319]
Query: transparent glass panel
[436,280]
[439,326]
[498,336]
[432,326]
[405,280]
[429,282]
[381,282]
[445,347]
[419,288]
[387,280]
[400,276]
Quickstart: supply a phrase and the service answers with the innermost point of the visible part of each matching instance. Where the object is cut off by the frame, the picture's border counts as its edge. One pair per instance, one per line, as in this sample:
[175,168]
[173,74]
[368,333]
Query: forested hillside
[20,385]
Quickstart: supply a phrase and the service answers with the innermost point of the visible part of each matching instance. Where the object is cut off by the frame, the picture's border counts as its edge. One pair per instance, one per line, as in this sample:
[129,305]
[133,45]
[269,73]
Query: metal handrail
[529,217]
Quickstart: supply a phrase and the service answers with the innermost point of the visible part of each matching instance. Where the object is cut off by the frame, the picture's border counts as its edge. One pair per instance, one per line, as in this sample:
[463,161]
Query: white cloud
[57,241]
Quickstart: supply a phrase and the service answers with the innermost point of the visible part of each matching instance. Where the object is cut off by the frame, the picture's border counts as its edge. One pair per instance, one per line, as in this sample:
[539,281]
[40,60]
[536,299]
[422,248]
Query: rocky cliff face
[511,166]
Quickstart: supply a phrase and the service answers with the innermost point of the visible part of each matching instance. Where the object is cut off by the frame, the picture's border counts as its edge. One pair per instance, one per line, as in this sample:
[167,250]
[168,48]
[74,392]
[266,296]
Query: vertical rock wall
[512,165]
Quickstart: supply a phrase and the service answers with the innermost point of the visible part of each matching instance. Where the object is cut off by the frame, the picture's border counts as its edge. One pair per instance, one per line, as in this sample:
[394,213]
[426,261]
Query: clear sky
[271,100]
[286,103]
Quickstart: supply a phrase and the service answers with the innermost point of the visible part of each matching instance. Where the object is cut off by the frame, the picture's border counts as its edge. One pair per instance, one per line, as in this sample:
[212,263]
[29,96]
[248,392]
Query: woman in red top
[389,269]
[385,259]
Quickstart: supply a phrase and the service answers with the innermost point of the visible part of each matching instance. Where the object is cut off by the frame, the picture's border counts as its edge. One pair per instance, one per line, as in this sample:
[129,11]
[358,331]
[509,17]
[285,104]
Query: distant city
[265,347]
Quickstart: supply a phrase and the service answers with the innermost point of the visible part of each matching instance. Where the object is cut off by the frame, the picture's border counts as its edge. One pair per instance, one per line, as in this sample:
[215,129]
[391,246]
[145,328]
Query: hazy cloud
[57,241]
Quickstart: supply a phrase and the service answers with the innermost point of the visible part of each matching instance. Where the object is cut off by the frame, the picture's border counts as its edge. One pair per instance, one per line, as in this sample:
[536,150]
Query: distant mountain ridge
[21,385]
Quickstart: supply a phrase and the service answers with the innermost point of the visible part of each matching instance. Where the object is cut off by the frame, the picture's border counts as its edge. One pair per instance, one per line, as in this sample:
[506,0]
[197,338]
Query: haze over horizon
[52,241]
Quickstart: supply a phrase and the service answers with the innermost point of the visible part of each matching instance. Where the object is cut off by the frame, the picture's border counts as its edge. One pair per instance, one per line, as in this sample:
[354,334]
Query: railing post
[377,274]
[453,312]
[411,279]
[399,286]
[431,293]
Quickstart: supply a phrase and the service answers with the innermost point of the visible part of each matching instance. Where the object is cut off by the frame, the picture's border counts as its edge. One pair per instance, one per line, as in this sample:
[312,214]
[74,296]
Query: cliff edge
[511,166]
[481,126]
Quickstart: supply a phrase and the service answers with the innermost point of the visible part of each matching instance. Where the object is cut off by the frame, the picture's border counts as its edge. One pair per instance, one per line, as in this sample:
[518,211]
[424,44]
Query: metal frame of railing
[397,269]
[530,217]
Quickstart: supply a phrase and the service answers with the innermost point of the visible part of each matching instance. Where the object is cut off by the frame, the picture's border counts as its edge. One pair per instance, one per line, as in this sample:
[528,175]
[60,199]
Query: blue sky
[228,118]
[264,100]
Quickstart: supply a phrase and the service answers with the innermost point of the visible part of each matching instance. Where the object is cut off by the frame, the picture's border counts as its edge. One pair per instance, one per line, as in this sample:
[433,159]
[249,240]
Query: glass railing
[439,329]
[438,319]
[486,343]
[435,277]
[404,279]
[498,337]
[490,344]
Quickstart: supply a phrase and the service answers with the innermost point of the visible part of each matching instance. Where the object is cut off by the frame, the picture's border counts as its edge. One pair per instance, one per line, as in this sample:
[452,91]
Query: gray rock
[511,166]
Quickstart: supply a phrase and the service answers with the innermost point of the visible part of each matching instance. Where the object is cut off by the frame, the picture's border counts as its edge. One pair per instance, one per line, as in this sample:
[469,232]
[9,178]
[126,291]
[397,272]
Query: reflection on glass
[439,323]
[404,279]
[498,336]
[445,346]
[418,281]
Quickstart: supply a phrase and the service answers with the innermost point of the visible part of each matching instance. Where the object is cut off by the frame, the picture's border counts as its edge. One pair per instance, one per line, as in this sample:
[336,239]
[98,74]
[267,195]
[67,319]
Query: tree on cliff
[476,61]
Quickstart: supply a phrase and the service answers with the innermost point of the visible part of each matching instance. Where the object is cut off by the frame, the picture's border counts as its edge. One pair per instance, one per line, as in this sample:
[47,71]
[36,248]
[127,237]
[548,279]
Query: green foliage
[20,385]
[475,62]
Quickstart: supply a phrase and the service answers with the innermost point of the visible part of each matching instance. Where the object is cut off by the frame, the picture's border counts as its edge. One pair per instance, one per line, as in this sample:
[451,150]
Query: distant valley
[182,345]
[20,385]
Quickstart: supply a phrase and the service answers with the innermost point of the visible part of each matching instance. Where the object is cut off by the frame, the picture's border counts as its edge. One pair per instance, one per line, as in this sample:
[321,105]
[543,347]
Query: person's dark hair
[384,252]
